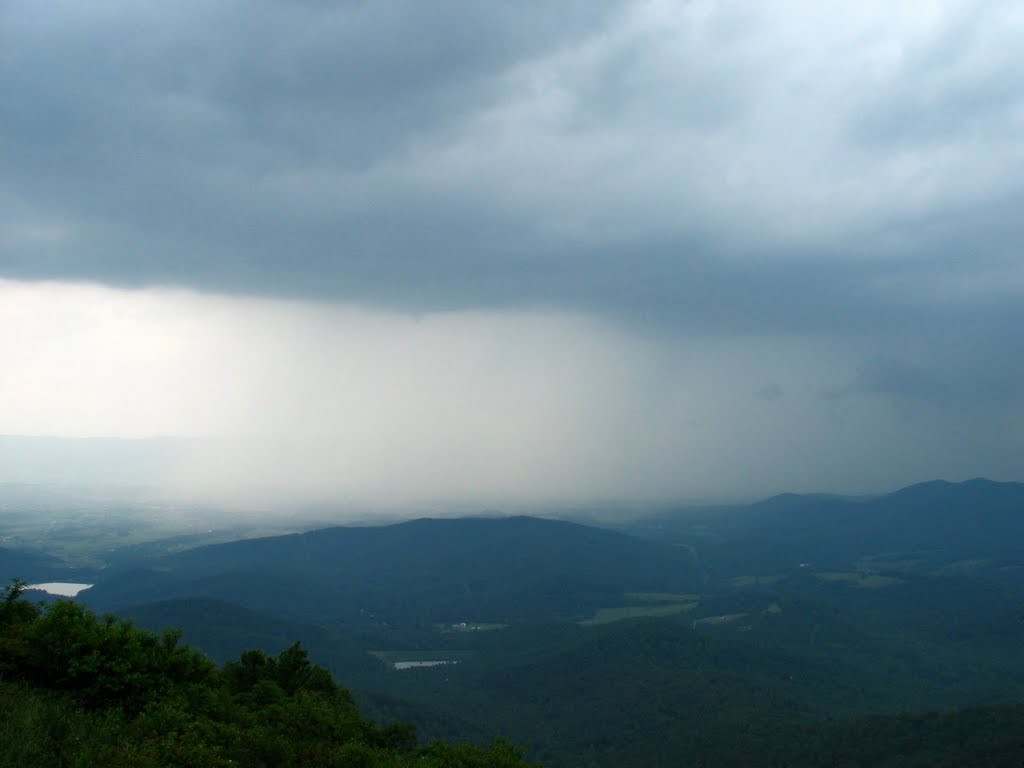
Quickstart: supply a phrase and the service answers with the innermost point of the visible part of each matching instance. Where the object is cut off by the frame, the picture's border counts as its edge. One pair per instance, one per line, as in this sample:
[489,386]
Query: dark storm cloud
[341,150]
[167,142]
[845,175]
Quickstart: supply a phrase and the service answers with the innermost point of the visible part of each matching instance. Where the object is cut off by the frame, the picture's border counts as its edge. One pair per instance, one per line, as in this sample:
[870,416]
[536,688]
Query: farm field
[608,615]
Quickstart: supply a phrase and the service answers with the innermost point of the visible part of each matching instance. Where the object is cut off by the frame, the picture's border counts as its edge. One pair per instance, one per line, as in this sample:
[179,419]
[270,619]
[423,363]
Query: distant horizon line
[412,510]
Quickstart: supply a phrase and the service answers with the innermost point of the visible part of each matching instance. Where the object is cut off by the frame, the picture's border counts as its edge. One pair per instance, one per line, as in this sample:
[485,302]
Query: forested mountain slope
[424,571]
[79,690]
[935,520]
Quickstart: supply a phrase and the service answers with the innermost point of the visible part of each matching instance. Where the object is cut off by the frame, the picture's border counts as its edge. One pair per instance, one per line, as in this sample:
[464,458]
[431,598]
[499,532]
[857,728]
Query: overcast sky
[511,253]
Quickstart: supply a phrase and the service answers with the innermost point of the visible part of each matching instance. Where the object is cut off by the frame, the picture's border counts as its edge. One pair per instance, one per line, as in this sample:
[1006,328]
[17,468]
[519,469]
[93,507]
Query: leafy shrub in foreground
[83,690]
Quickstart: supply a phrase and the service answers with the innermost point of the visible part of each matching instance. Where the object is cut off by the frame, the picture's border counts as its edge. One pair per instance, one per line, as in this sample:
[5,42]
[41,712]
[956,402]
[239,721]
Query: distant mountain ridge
[421,571]
[958,519]
[526,568]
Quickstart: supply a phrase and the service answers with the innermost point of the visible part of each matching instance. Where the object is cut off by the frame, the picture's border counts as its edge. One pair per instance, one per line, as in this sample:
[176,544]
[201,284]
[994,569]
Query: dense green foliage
[81,690]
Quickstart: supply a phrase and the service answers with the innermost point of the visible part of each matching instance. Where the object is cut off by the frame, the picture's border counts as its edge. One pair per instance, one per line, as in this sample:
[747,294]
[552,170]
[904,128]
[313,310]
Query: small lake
[61,588]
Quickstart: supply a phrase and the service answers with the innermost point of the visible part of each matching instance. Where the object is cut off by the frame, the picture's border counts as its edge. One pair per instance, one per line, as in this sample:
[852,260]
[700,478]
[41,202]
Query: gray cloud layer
[844,171]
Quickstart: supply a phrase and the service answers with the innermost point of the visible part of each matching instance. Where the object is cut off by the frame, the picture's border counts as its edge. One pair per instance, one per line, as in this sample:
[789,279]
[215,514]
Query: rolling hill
[936,521]
[414,574]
